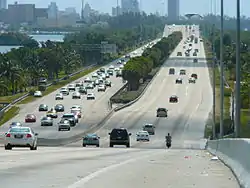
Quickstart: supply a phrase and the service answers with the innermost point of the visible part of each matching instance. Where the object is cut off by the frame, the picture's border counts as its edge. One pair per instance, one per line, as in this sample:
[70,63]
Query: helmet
[168,134]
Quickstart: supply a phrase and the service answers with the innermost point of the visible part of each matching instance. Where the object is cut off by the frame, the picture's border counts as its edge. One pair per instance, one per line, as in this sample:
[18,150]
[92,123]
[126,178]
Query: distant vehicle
[46,121]
[78,84]
[101,88]
[90,96]
[194,76]
[142,136]
[76,95]
[119,136]
[71,118]
[90,86]
[38,94]
[162,112]
[119,73]
[82,90]
[108,83]
[196,50]
[107,75]
[195,60]
[179,53]
[64,91]
[87,80]
[102,70]
[64,124]
[194,54]
[15,124]
[71,87]
[119,62]
[171,71]
[173,99]
[182,72]
[20,137]
[76,107]
[127,56]
[191,80]
[59,108]
[110,72]
[43,108]
[91,139]
[52,113]
[30,118]
[77,112]
[178,81]
[95,75]
[59,96]
[150,128]
[111,67]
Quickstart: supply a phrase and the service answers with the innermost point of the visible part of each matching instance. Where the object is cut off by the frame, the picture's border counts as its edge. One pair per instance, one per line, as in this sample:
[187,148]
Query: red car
[30,118]
[77,112]
[173,98]
[194,76]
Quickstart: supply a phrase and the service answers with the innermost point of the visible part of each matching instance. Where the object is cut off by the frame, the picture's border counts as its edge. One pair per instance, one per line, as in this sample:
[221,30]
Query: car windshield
[19,130]
[30,115]
[42,105]
[45,118]
[119,133]
[148,126]
[68,115]
[161,109]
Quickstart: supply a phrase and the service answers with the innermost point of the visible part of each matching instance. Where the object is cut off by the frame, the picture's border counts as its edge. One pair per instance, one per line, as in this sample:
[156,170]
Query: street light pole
[238,73]
[214,83]
[221,71]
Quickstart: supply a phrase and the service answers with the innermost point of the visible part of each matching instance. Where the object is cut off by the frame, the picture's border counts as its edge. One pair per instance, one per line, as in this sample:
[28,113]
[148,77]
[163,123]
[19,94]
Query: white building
[52,11]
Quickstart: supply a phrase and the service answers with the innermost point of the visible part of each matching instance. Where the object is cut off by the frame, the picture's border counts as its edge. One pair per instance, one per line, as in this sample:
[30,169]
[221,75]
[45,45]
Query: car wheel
[111,145]
[7,147]
[137,140]
[59,129]
[83,145]
[128,145]
[98,145]
[33,147]
[68,129]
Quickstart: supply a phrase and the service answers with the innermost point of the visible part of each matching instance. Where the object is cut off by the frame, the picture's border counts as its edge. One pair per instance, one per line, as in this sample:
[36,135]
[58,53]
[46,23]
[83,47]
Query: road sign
[104,47]
[108,48]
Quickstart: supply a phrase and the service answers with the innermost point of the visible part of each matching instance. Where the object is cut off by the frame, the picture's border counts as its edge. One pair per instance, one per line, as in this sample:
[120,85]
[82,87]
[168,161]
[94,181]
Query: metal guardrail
[48,85]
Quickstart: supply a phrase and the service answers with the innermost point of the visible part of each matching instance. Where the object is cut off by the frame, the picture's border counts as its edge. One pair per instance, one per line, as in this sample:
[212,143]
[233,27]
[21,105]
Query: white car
[101,88]
[90,86]
[64,124]
[142,136]
[71,87]
[111,67]
[90,96]
[38,94]
[97,82]
[76,95]
[121,67]
[20,137]
[59,96]
[95,75]
[87,80]
[117,69]
[76,107]
[64,91]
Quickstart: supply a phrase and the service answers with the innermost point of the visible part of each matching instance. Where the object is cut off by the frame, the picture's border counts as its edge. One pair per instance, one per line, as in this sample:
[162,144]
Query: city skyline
[201,6]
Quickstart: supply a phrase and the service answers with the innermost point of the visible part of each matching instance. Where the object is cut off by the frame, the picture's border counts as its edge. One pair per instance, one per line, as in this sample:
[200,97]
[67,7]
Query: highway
[145,164]
[93,110]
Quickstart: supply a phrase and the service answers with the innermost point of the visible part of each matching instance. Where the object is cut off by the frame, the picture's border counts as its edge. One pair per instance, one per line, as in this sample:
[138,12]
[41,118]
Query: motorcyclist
[168,138]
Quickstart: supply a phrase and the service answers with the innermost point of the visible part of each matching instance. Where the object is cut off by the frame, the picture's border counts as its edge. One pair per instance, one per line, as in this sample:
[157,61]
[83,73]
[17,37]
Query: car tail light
[28,136]
[8,135]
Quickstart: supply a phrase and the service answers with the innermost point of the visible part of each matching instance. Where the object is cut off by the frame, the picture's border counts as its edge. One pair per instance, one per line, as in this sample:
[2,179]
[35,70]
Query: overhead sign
[108,48]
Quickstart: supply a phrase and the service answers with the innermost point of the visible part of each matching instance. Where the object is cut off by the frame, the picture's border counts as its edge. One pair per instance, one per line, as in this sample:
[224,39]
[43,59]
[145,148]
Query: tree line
[137,69]
[21,68]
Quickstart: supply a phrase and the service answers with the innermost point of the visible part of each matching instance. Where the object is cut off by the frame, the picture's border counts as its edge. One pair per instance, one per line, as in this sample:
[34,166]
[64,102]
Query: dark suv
[119,137]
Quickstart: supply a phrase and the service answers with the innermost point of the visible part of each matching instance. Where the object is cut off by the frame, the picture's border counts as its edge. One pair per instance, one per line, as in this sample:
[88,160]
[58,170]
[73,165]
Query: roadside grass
[245,123]
[13,111]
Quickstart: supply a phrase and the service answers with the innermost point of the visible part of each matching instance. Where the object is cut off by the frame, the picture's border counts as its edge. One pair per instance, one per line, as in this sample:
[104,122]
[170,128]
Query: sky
[151,6]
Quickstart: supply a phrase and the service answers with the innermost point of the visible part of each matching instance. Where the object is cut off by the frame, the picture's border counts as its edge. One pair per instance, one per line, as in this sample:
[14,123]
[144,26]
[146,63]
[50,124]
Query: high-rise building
[3,4]
[116,11]
[52,11]
[130,6]
[173,10]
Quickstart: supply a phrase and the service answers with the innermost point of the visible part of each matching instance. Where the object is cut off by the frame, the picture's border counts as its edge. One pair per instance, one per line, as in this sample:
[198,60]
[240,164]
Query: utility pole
[214,83]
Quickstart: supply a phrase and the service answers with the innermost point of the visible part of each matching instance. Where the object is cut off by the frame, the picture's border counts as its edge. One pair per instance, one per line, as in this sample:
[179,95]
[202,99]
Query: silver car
[150,128]
[20,137]
[64,125]
[76,95]
[46,121]
[91,139]
[59,96]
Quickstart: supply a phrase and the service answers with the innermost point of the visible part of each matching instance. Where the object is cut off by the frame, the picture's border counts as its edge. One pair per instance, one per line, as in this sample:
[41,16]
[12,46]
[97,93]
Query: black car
[59,108]
[43,108]
[82,90]
[108,83]
[110,72]
[178,81]
[119,74]
[161,112]
[182,72]
[171,71]
[119,136]
[102,70]
[173,99]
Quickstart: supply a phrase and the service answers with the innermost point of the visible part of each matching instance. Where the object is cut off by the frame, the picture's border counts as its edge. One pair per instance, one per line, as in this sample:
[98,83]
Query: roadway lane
[93,111]
[91,167]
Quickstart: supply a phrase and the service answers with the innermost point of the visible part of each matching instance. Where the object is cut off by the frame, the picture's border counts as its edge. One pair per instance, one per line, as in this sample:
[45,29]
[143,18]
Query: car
[119,136]
[110,72]
[161,112]
[91,139]
[191,80]
[194,76]
[100,81]
[119,62]
[119,73]
[90,86]
[111,67]
[179,53]
[76,95]
[38,94]
[52,113]
[87,80]
[99,73]
[102,70]
[71,87]
[117,69]
[182,72]
[64,91]
[95,75]
[20,137]
[82,90]
[71,118]
[90,96]
[142,136]
[76,107]
[64,124]
[43,108]
[107,75]
[195,54]
[150,128]
[171,71]
[59,108]
[77,112]
[46,121]
[78,83]
[178,81]
[196,50]
[15,124]
[173,99]
[187,54]
[30,118]
[59,96]
[101,88]
[108,83]
[103,77]
[195,60]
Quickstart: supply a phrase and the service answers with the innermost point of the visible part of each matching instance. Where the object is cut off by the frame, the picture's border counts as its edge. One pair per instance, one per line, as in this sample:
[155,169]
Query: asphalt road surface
[146,164]
[93,110]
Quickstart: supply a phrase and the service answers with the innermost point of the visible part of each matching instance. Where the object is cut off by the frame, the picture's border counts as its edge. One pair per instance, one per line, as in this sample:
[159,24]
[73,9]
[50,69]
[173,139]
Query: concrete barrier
[235,153]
